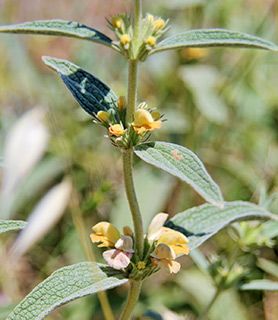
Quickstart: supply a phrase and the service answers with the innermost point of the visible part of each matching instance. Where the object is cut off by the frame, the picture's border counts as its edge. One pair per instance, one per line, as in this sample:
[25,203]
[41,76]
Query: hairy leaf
[11,225]
[267,285]
[201,38]
[182,163]
[201,223]
[64,285]
[59,28]
[92,94]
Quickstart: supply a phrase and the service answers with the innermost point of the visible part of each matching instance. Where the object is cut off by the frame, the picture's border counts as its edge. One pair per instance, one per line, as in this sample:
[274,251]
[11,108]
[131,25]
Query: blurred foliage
[220,103]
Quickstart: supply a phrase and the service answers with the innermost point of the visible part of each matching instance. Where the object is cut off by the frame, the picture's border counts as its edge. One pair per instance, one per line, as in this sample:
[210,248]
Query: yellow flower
[106,234]
[116,22]
[143,121]
[163,257]
[103,116]
[141,265]
[159,24]
[125,39]
[150,17]
[156,226]
[176,240]
[116,130]
[121,103]
[150,41]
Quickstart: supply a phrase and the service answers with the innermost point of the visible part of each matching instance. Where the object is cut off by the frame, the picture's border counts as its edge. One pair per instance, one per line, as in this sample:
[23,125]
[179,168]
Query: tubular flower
[150,41]
[176,240]
[159,24]
[119,258]
[125,39]
[163,256]
[117,130]
[143,121]
[116,22]
[106,234]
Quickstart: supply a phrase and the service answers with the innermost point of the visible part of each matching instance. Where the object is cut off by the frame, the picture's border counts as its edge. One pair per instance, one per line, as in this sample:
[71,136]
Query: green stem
[137,17]
[208,307]
[132,89]
[133,203]
[132,298]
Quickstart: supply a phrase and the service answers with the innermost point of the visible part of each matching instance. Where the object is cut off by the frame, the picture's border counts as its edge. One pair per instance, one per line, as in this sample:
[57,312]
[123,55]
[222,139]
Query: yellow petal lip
[163,251]
[176,240]
[108,231]
[117,130]
[104,242]
[142,117]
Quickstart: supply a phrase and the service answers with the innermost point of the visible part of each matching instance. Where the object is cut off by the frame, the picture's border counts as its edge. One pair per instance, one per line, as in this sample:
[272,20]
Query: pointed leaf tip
[91,93]
[201,38]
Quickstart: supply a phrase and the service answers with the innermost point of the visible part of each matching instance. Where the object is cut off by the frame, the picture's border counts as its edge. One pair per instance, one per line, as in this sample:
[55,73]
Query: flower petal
[156,224]
[117,259]
[163,251]
[167,265]
[125,243]
[107,230]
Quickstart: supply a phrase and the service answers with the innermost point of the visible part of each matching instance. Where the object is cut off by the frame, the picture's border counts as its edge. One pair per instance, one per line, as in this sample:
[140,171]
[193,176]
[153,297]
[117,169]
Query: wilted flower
[119,258]
[163,256]
[109,236]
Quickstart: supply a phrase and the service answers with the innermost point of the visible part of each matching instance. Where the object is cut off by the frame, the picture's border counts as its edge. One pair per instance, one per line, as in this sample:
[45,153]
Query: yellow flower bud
[150,41]
[116,130]
[127,231]
[156,115]
[116,22]
[121,103]
[103,116]
[159,24]
[125,39]
[150,17]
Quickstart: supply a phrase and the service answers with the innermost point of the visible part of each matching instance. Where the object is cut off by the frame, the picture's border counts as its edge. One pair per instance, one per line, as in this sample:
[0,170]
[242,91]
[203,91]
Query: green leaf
[259,285]
[64,285]
[59,28]
[11,225]
[201,223]
[201,38]
[182,163]
[268,266]
[92,94]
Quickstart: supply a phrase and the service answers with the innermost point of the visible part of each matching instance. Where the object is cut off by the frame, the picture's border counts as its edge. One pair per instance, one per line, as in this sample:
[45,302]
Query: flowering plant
[132,256]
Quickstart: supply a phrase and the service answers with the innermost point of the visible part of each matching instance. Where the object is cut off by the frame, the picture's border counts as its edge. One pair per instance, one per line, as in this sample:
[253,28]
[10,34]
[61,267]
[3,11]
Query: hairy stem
[137,17]
[132,298]
[132,89]
[133,203]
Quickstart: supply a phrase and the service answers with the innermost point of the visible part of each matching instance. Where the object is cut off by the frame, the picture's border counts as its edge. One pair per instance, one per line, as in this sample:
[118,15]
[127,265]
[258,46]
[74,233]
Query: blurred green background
[220,103]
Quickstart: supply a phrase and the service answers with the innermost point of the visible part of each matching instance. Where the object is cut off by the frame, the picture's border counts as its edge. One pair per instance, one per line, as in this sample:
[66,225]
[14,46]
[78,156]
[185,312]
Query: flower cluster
[151,28]
[162,246]
[129,135]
